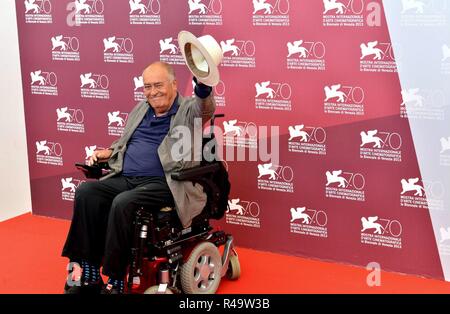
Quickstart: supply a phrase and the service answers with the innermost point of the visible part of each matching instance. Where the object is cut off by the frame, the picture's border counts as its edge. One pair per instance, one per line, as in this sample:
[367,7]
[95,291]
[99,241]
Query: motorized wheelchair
[167,258]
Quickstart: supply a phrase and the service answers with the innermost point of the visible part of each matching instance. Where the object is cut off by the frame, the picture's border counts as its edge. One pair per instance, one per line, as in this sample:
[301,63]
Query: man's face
[158,88]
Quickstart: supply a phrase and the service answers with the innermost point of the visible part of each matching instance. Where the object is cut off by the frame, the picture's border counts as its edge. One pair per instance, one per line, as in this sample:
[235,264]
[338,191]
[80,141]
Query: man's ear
[175,84]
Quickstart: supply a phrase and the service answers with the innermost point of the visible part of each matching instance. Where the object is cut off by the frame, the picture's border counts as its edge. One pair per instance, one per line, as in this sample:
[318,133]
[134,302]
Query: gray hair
[169,68]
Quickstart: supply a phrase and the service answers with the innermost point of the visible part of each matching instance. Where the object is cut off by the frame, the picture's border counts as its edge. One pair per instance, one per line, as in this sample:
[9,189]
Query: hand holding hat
[202,56]
[200,89]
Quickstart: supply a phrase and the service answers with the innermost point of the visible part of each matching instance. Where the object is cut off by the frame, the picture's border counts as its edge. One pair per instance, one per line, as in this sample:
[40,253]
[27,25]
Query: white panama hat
[202,56]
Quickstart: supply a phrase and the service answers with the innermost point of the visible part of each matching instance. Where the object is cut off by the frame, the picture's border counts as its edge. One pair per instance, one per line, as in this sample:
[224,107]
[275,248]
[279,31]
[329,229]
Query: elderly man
[141,162]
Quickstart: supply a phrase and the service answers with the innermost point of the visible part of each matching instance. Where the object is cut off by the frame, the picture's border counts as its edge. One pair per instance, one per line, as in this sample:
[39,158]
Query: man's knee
[121,202]
[85,190]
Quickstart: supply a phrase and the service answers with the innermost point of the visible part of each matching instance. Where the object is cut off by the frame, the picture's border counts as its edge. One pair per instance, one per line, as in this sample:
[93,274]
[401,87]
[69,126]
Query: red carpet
[30,262]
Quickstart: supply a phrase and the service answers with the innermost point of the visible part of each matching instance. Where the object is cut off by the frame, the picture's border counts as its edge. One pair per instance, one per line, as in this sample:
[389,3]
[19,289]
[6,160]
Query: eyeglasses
[157,86]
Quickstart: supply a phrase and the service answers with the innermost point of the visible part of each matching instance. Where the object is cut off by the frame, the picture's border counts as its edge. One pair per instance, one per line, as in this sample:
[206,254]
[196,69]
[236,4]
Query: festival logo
[118,50]
[238,53]
[65,48]
[38,12]
[378,57]
[89,12]
[381,145]
[417,193]
[345,185]
[271,12]
[169,51]
[425,104]
[243,213]
[205,12]
[306,55]
[68,187]
[445,151]
[276,178]
[383,232]
[309,222]
[343,99]
[351,13]
[116,122]
[44,83]
[273,96]
[424,13]
[49,153]
[145,12]
[94,85]
[70,120]
[307,139]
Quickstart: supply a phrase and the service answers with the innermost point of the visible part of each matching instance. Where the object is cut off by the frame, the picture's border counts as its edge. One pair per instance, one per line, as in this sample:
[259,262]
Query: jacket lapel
[134,123]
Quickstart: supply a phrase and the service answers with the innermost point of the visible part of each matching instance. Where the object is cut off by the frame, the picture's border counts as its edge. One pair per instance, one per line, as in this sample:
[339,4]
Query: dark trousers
[102,222]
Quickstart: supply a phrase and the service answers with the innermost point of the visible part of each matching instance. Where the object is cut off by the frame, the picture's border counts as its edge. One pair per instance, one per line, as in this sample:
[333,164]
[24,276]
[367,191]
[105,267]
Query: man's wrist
[201,90]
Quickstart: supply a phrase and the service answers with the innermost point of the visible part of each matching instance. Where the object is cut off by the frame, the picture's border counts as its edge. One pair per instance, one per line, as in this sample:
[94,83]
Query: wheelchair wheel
[201,273]
[234,268]
[154,290]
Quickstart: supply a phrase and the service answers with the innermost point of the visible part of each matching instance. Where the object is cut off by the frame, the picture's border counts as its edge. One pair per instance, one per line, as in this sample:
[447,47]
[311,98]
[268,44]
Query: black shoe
[110,289]
[84,287]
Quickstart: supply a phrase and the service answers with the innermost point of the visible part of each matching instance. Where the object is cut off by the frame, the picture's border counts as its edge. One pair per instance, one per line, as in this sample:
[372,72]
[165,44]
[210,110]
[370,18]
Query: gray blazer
[189,198]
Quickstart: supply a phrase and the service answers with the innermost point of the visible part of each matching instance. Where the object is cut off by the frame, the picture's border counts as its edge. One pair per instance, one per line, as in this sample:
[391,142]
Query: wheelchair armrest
[193,173]
[95,171]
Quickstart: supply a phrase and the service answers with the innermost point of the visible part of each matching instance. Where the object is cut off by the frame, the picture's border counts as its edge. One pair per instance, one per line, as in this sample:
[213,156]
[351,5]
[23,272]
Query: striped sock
[91,273]
[115,283]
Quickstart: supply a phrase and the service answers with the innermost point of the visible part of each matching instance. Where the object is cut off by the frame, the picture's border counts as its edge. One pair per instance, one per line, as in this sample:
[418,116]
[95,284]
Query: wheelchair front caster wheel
[202,271]
[154,290]
[234,268]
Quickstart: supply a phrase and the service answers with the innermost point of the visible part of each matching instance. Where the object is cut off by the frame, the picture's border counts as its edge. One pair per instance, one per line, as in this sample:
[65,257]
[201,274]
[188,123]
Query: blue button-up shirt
[141,157]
